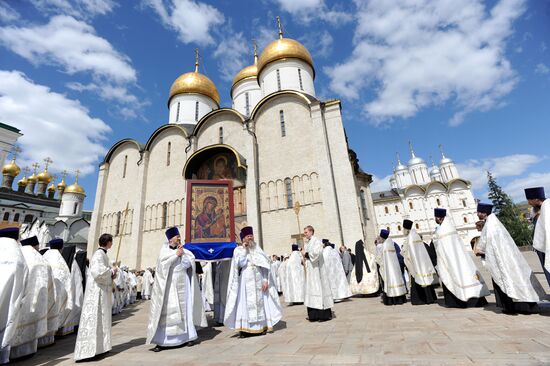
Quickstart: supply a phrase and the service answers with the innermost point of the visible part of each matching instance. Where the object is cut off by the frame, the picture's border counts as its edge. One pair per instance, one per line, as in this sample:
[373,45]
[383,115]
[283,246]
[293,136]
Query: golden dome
[32,178]
[44,177]
[248,72]
[61,185]
[11,169]
[22,182]
[51,188]
[281,49]
[74,188]
[195,82]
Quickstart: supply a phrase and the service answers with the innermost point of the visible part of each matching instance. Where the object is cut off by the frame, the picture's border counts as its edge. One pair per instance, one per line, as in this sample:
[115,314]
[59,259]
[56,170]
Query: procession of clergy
[46,296]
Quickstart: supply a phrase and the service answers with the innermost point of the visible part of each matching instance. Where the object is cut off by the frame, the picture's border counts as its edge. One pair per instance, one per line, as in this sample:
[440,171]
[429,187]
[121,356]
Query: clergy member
[94,331]
[318,298]
[364,277]
[295,277]
[281,272]
[541,239]
[38,302]
[176,301]
[148,281]
[419,265]
[462,283]
[517,290]
[338,281]
[14,272]
[63,284]
[252,300]
[394,290]
[221,278]
[73,318]
[346,261]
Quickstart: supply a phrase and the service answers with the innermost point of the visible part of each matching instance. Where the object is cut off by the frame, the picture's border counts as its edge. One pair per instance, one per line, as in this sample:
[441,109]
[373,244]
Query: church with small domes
[284,150]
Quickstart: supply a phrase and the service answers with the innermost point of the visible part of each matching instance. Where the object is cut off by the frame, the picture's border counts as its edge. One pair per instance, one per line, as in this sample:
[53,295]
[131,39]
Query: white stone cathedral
[415,192]
[286,146]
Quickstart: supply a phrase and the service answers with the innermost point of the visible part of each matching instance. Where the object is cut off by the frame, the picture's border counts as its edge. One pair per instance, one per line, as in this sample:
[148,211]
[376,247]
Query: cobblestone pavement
[363,332]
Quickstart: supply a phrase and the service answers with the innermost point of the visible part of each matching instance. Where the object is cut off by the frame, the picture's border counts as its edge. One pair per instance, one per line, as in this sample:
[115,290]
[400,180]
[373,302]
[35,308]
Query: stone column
[135,249]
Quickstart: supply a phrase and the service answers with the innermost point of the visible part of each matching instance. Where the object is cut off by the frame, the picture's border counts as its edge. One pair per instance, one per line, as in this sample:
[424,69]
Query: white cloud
[419,54]
[318,43]
[192,20]
[380,184]
[543,46]
[7,13]
[309,10]
[78,8]
[542,69]
[516,188]
[52,125]
[233,53]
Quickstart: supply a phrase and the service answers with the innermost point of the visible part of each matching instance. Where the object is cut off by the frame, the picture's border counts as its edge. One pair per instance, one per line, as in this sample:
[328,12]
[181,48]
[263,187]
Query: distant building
[415,192]
[8,137]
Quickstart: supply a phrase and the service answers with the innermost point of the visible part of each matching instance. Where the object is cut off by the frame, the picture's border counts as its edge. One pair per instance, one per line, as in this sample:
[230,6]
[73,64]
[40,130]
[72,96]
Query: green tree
[508,213]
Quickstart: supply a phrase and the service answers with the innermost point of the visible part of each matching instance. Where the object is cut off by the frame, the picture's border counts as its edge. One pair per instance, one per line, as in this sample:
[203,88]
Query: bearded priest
[176,301]
[295,277]
[94,331]
[517,290]
[394,290]
[252,305]
[463,286]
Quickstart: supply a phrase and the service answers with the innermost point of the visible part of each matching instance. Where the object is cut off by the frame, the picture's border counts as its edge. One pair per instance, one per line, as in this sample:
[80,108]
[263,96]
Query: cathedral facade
[284,150]
[415,192]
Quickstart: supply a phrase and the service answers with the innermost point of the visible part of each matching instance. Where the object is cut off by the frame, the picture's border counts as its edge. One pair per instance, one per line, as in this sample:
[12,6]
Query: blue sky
[77,76]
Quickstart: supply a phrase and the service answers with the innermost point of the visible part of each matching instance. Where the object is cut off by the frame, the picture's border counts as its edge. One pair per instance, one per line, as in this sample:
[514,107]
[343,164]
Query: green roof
[9,128]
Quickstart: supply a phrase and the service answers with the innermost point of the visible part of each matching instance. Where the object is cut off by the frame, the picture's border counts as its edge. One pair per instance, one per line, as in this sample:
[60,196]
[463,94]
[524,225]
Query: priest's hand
[265,286]
[179,251]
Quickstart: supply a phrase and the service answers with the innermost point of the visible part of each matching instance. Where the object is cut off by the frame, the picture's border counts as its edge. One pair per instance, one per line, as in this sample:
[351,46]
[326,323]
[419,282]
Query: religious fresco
[221,166]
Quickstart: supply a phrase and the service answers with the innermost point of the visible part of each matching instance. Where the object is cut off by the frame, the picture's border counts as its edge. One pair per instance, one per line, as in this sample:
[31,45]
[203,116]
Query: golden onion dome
[32,178]
[11,169]
[44,177]
[284,48]
[22,182]
[61,185]
[249,72]
[74,188]
[195,83]
[51,188]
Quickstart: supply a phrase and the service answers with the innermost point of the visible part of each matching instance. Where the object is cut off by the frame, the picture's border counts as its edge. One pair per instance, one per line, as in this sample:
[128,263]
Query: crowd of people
[51,293]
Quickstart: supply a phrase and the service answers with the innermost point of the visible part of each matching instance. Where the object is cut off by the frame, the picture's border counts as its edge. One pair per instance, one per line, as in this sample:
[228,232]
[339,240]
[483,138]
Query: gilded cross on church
[35,166]
[64,174]
[196,60]
[441,150]
[255,50]
[411,148]
[47,161]
[26,170]
[280,27]
[16,151]
[77,174]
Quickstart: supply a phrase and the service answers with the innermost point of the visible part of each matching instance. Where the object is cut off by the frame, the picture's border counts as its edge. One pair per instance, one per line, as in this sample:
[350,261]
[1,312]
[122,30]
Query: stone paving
[363,332]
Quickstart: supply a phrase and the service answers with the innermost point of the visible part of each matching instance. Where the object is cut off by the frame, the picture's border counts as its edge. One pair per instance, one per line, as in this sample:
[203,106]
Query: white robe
[176,301]
[390,271]
[94,331]
[295,278]
[337,277]
[63,286]
[318,292]
[455,266]
[507,265]
[207,283]
[418,260]
[541,238]
[38,304]
[78,296]
[220,289]
[148,281]
[369,283]
[275,270]
[249,309]
[281,272]
[13,279]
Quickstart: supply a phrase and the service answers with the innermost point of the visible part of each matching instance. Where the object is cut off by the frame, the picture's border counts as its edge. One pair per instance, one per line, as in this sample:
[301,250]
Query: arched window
[178,112]
[464,203]
[168,152]
[363,205]
[396,208]
[125,166]
[6,216]
[398,227]
[16,218]
[386,210]
[300,79]
[288,192]
[465,220]
[28,218]
[164,214]
[221,135]
[282,120]
[117,227]
[417,226]
[247,104]
[75,208]
[196,111]
[411,205]
[438,202]
[278,80]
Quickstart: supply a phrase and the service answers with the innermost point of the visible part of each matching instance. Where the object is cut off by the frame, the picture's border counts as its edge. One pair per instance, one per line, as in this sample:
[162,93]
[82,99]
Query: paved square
[363,332]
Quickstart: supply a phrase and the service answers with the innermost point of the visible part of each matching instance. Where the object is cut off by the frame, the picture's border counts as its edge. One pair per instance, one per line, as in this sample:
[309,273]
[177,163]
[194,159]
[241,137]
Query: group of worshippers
[41,293]
[129,286]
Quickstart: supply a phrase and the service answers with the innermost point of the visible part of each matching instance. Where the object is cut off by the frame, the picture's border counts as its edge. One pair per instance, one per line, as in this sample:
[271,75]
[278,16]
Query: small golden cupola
[75,187]
[246,91]
[10,171]
[44,178]
[62,185]
[31,181]
[192,95]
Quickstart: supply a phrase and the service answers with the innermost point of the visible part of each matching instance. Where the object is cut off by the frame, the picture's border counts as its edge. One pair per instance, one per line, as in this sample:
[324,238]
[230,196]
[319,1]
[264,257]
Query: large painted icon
[221,166]
[210,222]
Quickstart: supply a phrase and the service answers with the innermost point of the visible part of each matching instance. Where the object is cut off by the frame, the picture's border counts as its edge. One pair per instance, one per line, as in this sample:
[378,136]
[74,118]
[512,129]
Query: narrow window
[417,226]
[28,218]
[283,129]
[398,227]
[168,152]
[438,202]
[278,80]
[16,218]
[117,227]
[364,205]
[125,165]
[178,112]
[300,79]
[386,210]
[396,208]
[164,214]
[465,220]
[196,111]
[288,189]
[411,205]
[221,135]
[464,203]
[75,208]
[6,216]
[247,104]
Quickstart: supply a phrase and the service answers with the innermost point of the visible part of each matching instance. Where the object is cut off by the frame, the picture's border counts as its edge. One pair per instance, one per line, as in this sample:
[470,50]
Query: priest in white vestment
[63,284]
[364,276]
[207,285]
[463,285]
[295,277]
[252,300]
[419,266]
[275,264]
[148,281]
[394,290]
[13,280]
[318,299]
[94,331]
[221,271]
[176,301]
[541,239]
[38,301]
[281,273]
[516,288]
[69,254]
[335,270]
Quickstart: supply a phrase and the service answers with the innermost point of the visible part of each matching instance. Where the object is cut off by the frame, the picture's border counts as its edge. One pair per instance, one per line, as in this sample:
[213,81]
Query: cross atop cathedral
[255,50]
[35,166]
[77,174]
[196,60]
[47,162]
[398,159]
[441,150]
[432,159]
[64,174]
[279,25]
[16,151]
[411,148]
[26,170]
